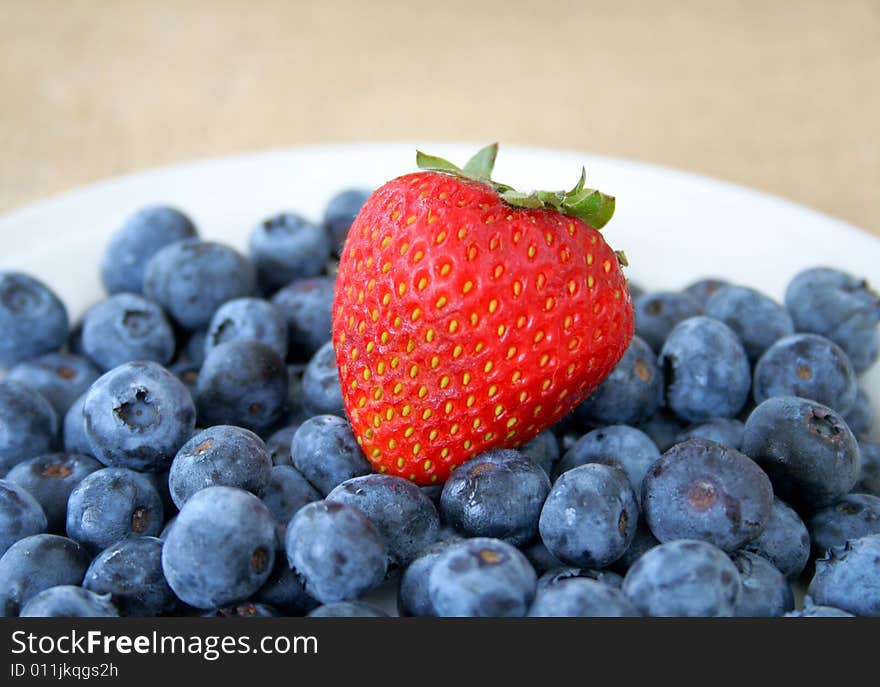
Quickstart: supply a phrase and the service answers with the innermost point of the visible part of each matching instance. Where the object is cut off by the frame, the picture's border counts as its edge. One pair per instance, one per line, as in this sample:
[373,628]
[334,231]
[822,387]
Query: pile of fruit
[446,393]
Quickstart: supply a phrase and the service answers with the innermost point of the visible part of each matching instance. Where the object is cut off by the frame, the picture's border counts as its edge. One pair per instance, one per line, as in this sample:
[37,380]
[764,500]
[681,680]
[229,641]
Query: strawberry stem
[592,206]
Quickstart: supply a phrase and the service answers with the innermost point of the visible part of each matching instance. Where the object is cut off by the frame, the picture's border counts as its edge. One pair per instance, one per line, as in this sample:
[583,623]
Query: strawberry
[468,316]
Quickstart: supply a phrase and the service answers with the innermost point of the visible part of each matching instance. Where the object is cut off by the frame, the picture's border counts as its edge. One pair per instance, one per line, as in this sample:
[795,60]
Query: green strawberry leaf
[593,207]
[521,200]
[580,184]
[480,166]
[436,164]
[553,198]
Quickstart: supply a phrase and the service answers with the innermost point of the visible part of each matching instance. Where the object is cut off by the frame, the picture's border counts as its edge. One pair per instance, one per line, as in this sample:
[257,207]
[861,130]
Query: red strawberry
[468,316]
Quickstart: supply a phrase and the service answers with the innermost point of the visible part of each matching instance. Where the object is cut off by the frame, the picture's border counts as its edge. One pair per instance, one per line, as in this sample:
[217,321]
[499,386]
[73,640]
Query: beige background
[776,94]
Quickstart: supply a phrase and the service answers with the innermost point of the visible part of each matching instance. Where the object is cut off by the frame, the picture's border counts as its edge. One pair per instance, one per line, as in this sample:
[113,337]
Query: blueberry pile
[184,450]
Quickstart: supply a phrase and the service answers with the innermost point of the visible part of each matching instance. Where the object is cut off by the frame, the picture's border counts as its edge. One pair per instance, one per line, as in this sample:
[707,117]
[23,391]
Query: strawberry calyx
[592,206]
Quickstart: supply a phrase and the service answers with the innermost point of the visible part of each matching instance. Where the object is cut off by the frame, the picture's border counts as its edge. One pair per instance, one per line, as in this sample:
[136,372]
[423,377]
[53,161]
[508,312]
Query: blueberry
[284,590]
[699,489]
[860,416]
[191,279]
[169,523]
[28,424]
[340,213]
[756,319]
[706,370]
[194,349]
[618,445]
[188,374]
[220,456]
[321,392]
[631,393]
[447,533]
[127,327]
[785,541]
[69,601]
[50,478]
[21,515]
[248,319]
[243,610]
[36,563]
[832,303]
[703,289]
[809,453]
[663,427]
[242,383]
[590,516]
[413,598]
[657,314]
[643,541]
[137,416]
[159,480]
[143,235]
[111,504]
[543,451]
[221,548]
[60,377]
[404,517]
[809,366]
[540,557]
[32,319]
[721,430]
[73,431]
[325,451]
[307,306]
[481,578]
[568,430]
[581,598]
[869,476]
[130,571]
[854,516]
[278,445]
[74,338]
[297,413]
[812,611]
[766,593]
[496,494]
[555,576]
[347,609]
[336,549]
[287,492]
[287,247]
[686,578]
[433,493]
[846,577]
